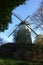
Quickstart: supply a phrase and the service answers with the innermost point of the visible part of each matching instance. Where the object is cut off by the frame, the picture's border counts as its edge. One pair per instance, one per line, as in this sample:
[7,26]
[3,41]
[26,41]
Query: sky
[22,11]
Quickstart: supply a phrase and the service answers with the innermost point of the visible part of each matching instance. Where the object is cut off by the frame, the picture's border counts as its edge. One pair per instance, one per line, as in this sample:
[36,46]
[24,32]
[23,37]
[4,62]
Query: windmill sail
[22,23]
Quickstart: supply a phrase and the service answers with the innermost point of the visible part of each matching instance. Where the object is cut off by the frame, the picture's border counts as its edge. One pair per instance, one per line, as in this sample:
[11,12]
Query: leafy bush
[22,63]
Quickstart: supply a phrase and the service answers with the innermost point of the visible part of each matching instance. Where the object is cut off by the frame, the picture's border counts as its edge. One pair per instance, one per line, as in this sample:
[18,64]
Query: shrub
[22,63]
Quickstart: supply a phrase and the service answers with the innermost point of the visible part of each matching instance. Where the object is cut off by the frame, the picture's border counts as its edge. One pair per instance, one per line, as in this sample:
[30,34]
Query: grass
[4,61]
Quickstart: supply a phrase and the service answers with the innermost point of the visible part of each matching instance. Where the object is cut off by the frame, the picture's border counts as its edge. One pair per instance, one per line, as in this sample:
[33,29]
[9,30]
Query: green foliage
[6,6]
[39,40]
[15,62]
[22,63]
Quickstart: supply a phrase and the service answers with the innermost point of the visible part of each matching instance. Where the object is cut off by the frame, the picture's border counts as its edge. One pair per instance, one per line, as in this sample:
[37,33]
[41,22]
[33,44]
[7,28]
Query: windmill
[23,23]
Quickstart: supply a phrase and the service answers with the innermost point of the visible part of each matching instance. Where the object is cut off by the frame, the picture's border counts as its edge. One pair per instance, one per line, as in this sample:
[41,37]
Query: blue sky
[22,11]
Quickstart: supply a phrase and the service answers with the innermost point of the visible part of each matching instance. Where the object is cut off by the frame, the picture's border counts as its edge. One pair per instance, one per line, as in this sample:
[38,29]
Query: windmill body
[23,34]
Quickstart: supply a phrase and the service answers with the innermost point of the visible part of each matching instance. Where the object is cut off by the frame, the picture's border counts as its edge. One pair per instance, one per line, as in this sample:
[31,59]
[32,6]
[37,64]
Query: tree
[38,17]
[6,6]
[39,39]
